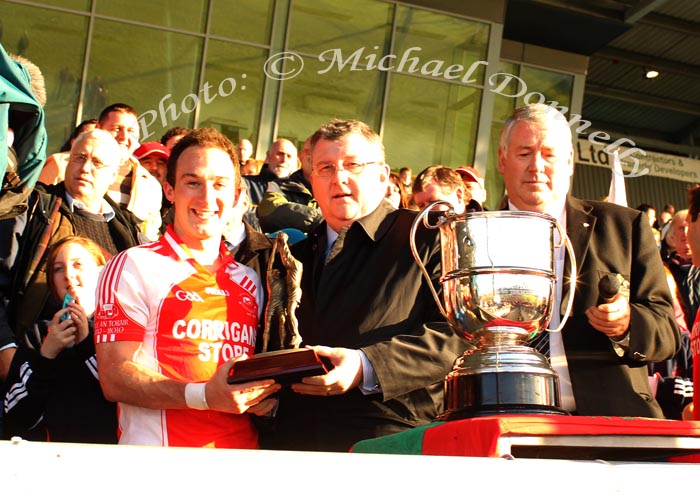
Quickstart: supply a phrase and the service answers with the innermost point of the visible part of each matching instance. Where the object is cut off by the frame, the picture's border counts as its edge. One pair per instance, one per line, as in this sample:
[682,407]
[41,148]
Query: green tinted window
[55,42]
[311,99]
[442,38]
[504,100]
[493,181]
[156,76]
[235,79]
[554,86]
[189,16]
[429,122]
[321,25]
[83,5]
[503,106]
[242,20]
[514,83]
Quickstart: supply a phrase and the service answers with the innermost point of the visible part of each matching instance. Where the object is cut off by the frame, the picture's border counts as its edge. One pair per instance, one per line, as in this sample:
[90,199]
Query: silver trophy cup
[498,283]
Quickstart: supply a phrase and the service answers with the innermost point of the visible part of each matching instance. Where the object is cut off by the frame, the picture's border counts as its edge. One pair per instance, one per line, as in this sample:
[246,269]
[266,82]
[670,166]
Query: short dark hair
[207,138]
[645,207]
[174,132]
[448,179]
[116,108]
[76,133]
[338,129]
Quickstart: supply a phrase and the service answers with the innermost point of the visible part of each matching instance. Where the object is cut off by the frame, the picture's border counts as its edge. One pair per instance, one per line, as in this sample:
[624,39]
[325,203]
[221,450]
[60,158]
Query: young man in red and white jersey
[692,411]
[175,314]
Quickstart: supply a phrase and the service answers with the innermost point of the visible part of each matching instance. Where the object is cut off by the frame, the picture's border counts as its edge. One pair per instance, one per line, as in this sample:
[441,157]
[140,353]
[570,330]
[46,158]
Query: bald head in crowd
[282,158]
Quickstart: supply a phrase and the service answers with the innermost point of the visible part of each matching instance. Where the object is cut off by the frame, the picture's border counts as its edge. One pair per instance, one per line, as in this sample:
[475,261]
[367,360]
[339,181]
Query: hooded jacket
[21,111]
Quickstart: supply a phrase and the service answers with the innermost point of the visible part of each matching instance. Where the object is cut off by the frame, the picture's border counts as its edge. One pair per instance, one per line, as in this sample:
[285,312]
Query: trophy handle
[566,242]
[423,217]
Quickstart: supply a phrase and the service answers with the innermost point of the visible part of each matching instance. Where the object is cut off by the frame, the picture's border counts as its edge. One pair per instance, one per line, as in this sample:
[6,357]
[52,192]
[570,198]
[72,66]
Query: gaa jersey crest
[189,321]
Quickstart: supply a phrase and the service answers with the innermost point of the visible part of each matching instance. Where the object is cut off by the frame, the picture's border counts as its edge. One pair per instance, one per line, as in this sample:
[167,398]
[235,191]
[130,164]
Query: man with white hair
[676,255]
[289,202]
[602,353]
[77,206]
[281,160]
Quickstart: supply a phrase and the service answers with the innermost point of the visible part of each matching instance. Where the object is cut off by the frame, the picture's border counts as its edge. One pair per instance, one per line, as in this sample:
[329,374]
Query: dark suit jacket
[258,184]
[607,238]
[371,295]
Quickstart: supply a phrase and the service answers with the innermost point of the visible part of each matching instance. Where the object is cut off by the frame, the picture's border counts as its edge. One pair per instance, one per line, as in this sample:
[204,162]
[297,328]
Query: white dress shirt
[557,357]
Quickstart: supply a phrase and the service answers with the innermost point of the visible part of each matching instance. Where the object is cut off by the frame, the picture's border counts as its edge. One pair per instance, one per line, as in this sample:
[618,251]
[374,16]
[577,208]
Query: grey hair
[537,115]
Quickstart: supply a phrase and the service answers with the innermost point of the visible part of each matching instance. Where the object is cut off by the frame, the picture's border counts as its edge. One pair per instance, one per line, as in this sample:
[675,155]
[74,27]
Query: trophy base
[490,382]
[479,395]
[284,366]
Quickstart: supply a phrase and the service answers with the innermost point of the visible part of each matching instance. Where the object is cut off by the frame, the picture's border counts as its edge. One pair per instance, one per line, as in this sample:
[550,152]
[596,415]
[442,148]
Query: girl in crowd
[395,192]
[53,391]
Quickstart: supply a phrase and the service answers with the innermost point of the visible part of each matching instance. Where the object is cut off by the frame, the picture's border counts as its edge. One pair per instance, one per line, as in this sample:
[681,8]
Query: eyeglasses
[97,164]
[326,169]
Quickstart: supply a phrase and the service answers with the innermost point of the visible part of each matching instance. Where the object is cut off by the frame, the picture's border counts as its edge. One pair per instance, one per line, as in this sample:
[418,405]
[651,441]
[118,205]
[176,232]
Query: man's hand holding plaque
[290,363]
[346,373]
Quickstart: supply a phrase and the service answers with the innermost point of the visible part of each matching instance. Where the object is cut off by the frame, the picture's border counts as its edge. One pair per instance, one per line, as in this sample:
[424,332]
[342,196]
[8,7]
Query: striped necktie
[337,245]
[541,343]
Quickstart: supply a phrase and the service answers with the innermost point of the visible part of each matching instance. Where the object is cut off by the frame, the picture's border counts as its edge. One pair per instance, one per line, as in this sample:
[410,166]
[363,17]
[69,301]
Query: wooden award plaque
[284,366]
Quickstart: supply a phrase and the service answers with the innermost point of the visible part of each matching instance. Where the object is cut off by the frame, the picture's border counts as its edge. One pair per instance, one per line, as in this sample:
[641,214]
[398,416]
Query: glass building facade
[436,85]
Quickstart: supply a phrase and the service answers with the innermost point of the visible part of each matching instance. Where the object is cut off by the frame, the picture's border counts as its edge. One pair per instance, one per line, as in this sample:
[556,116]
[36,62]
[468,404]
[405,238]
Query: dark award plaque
[284,366]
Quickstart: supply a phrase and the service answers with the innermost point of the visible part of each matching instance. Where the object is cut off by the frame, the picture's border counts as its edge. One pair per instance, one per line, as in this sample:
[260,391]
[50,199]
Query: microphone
[608,287]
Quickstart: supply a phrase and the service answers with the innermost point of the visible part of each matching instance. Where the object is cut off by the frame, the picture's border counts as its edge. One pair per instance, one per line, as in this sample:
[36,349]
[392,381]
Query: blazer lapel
[579,227]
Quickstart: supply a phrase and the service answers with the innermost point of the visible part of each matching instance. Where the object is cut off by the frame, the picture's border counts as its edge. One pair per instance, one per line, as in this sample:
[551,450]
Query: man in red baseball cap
[154,157]
[473,182]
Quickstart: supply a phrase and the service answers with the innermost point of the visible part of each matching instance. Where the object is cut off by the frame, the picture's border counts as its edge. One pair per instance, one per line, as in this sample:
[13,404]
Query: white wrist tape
[195,396]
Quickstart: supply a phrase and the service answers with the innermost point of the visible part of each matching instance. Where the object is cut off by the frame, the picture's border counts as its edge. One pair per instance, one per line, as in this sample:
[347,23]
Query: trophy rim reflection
[498,296]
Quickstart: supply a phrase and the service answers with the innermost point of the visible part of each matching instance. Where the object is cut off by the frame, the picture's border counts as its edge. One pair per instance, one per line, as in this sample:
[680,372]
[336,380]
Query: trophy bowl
[498,275]
[498,282]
